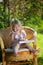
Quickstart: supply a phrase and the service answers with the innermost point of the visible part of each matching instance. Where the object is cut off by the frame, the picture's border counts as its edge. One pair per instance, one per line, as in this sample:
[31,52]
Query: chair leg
[35,61]
[3,58]
[4,63]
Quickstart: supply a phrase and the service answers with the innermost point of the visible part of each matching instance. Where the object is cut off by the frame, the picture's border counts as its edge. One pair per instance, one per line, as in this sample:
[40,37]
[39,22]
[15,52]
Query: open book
[26,41]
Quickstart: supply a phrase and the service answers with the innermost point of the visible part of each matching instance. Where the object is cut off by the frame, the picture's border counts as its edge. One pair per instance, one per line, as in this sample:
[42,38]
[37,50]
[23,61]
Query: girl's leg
[32,49]
[16,48]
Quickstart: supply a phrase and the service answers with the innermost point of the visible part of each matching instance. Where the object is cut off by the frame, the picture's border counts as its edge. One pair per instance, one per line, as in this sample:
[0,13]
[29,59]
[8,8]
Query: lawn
[40,45]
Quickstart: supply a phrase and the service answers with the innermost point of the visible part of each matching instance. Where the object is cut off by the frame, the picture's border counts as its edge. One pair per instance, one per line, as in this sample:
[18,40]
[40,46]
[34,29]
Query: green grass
[40,45]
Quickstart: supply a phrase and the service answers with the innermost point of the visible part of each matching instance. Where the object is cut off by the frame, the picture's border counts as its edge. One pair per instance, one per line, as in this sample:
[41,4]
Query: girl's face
[17,27]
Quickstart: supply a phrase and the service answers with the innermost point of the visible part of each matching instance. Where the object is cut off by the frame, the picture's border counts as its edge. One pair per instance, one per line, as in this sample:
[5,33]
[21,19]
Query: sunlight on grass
[40,44]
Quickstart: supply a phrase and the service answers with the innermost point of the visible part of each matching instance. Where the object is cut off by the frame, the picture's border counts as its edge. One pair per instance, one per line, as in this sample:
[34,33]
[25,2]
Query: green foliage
[29,12]
[4,16]
[3,25]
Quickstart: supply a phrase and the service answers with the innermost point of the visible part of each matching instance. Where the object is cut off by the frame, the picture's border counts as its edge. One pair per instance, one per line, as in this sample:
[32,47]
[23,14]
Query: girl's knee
[18,45]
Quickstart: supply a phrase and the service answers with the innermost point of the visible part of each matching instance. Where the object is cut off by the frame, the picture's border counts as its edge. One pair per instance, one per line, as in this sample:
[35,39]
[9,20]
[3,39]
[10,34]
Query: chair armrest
[3,51]
[1,43]
[35,38]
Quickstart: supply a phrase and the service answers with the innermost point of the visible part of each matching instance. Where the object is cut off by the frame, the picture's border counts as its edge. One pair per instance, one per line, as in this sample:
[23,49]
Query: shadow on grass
[40,61]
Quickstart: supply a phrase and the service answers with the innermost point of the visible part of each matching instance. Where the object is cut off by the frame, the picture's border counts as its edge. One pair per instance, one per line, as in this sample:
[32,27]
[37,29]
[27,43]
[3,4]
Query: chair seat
[9,50]
[23,54]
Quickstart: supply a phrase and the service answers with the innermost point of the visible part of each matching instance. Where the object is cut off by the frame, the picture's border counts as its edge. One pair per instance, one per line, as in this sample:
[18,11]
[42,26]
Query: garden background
[29,12]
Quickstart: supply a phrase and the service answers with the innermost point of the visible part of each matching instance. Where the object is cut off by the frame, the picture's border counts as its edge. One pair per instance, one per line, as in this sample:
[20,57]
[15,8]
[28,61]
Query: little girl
[18,34]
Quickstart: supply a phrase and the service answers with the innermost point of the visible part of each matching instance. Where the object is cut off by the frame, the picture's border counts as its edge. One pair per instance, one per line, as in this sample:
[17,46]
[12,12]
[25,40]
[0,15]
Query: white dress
[21,36]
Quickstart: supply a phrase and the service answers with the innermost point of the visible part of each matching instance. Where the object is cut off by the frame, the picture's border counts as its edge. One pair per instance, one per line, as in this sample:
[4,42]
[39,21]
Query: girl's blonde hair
[13,22]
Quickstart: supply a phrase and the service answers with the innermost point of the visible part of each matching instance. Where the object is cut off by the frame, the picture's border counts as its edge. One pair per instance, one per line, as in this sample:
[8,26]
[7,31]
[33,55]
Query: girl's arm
[12,39]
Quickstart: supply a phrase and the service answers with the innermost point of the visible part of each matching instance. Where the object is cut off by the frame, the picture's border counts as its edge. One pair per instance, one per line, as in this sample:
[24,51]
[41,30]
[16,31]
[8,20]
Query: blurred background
[29,12]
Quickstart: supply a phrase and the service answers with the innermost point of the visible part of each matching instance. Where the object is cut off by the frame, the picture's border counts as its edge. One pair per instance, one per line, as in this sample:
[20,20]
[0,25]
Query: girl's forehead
[17,25]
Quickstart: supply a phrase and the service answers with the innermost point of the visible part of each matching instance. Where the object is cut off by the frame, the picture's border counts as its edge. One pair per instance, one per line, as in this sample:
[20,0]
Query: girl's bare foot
[37,51]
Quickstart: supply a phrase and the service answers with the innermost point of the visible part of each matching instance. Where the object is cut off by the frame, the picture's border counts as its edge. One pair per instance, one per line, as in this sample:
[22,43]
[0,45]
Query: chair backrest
[31,34]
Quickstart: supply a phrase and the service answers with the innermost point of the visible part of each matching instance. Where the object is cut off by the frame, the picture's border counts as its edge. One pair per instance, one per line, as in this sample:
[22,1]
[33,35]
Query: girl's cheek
[15,29]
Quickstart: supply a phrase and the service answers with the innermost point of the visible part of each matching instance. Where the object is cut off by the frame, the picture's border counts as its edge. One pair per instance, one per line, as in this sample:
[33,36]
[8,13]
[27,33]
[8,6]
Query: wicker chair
[8,58]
